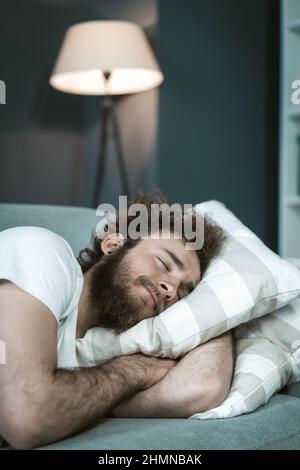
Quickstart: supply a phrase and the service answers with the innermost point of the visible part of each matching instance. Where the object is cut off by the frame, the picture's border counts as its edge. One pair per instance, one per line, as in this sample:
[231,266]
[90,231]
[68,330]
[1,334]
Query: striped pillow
[268,357]
[247,280]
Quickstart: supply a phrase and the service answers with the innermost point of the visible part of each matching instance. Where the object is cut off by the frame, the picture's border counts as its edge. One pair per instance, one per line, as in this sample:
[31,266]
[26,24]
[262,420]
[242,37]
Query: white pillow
[268,357]
[247,280]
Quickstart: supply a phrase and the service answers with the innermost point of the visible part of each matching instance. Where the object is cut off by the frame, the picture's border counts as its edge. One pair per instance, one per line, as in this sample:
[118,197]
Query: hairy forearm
[163,400]
[85,395]
[200,381]
[76,399]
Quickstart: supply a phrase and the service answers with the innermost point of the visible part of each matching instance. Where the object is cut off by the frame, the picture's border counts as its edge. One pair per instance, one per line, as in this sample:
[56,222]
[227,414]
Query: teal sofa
[273,426]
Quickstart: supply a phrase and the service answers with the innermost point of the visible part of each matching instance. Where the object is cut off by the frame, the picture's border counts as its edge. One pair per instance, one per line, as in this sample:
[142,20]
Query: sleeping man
[48,299]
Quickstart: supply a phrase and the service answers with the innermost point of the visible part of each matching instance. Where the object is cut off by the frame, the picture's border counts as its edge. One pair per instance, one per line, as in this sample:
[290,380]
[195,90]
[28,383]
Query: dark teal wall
[218,106]
[49,140]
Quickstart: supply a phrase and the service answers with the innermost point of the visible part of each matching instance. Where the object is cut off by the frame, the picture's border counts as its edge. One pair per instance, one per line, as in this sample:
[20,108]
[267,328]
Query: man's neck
[86,315]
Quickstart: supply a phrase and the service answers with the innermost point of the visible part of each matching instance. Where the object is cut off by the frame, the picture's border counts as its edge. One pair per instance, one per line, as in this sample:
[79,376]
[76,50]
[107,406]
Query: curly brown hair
[213,238]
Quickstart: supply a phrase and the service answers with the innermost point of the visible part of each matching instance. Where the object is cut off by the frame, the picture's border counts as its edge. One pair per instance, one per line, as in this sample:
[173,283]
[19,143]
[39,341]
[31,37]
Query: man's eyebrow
[175,258]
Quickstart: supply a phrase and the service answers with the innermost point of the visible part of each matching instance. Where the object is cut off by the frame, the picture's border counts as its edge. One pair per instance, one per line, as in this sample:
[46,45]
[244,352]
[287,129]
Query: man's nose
[167,290]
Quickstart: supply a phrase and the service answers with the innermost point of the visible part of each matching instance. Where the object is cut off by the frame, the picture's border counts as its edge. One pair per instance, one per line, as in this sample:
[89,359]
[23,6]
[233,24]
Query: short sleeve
[41,263]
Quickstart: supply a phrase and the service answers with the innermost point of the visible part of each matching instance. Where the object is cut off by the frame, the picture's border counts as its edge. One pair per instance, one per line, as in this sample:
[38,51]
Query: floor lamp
[106,58]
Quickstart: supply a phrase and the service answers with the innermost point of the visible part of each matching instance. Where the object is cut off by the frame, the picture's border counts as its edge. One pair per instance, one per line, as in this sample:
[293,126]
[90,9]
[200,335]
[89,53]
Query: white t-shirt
[43,264]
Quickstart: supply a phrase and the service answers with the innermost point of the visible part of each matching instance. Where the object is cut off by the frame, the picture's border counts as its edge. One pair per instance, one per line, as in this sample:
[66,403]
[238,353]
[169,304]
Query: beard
[111,295]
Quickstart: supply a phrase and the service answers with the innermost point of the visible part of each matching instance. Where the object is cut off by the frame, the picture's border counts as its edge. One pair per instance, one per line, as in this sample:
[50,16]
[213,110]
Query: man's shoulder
[28,236]
[42,263]
[39,246]
[30,231]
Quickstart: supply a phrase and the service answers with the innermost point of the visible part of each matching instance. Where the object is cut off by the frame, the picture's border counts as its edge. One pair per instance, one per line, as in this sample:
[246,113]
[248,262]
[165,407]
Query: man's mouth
[151,298]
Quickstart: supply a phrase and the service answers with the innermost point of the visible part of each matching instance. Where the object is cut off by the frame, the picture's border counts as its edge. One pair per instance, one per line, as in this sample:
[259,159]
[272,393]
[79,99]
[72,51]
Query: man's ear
[112,242]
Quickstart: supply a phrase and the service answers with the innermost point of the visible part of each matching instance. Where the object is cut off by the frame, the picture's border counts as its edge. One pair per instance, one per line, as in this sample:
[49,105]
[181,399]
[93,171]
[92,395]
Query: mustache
[148,284]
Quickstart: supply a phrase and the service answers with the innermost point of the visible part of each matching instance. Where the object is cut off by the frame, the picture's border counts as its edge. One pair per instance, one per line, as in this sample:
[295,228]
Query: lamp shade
[93,48]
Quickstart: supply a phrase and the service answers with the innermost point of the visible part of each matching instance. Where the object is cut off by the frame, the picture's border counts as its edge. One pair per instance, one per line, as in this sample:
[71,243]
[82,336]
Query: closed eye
[164,264]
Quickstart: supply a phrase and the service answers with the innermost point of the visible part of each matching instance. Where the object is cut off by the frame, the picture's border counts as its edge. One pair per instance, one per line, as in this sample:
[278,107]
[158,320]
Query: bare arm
[200,381]
[40,404]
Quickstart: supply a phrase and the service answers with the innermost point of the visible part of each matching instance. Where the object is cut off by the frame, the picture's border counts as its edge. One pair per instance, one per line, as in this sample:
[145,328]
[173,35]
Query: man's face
[129,285]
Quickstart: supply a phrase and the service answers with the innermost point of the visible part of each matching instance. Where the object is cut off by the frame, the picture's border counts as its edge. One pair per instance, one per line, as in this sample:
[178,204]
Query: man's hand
[40,404]
[200,381]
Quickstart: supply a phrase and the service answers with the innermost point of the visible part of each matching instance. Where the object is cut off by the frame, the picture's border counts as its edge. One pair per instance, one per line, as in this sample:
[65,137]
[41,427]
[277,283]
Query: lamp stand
[108,114]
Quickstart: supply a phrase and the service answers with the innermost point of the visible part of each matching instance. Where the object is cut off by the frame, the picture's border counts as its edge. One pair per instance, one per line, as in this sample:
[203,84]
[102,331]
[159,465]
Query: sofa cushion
[276,426]
[74,224]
